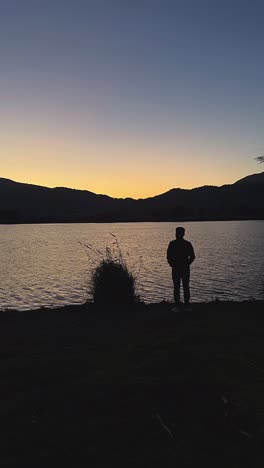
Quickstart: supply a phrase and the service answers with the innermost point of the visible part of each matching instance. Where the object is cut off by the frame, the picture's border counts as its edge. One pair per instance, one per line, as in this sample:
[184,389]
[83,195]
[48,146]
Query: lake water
[47,265]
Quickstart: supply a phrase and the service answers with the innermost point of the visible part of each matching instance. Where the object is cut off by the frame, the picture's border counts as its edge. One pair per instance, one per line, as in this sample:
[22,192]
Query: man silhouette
[180,255]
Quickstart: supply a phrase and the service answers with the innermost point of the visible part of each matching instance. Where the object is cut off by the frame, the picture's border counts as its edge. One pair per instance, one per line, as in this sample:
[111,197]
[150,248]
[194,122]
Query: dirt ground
[144,387]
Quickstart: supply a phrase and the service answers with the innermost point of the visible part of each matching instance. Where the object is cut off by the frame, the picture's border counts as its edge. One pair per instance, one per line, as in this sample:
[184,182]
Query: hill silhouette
[26,203]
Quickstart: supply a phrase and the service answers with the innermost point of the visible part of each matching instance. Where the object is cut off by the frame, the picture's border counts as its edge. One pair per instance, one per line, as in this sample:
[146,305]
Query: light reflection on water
[45,265]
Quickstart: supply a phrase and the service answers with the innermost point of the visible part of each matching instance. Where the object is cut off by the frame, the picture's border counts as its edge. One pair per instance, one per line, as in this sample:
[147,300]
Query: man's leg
[185,284]
[176,277]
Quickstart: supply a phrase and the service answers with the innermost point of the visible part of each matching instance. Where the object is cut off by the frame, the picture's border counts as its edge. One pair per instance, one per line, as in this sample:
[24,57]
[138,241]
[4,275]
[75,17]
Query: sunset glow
[130,103]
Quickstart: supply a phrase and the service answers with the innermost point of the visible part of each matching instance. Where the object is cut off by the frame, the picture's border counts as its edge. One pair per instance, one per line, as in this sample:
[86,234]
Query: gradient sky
[131,97]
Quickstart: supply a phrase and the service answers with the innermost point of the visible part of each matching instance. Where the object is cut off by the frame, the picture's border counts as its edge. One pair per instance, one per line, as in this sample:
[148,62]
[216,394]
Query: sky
[131,98]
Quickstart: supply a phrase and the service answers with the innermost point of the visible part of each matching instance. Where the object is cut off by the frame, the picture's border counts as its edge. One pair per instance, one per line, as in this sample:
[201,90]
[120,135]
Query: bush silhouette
[112,283]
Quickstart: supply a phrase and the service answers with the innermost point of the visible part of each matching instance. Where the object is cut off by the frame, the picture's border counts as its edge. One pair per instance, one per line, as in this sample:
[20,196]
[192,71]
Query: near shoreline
[163,306]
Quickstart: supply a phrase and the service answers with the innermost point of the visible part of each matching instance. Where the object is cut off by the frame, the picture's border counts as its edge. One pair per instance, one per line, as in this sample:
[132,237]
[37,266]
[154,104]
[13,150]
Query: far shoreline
[180,220]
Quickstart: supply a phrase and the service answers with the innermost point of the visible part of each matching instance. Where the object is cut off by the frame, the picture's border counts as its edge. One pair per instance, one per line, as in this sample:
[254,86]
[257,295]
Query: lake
[48,265]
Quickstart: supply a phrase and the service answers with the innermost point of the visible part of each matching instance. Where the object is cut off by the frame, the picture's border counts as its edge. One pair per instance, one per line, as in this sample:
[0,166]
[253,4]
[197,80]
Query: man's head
[180,231]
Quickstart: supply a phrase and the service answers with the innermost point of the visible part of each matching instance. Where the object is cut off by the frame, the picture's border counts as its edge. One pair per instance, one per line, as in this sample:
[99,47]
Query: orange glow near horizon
[118,186]
[116,165]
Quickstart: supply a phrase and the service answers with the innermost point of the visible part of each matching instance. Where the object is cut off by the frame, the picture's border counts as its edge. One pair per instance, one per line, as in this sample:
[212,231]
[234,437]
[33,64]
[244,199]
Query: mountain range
[26,203]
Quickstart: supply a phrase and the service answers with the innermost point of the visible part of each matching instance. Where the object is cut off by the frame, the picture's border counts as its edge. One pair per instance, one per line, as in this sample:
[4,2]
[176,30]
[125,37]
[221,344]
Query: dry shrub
[111,282]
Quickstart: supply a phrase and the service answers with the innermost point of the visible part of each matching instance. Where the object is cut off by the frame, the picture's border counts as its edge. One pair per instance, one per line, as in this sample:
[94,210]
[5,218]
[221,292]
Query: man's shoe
[176,308]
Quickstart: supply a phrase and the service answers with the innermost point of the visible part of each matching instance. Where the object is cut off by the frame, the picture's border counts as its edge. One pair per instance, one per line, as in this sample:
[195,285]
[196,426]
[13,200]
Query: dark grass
[83,387]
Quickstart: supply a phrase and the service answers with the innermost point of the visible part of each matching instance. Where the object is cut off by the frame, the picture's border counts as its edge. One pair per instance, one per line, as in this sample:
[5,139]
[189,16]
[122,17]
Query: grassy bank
[138,388]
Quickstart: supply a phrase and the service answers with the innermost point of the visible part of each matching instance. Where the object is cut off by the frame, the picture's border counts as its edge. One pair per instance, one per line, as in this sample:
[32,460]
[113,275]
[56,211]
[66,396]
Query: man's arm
[170,254]
[191,255]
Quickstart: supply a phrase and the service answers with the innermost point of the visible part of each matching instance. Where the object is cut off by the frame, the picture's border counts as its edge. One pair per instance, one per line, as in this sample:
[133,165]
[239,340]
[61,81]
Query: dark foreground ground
[144,388]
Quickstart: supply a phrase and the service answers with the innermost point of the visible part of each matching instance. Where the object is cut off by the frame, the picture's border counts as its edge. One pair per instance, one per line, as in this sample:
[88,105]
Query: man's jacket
[180,254]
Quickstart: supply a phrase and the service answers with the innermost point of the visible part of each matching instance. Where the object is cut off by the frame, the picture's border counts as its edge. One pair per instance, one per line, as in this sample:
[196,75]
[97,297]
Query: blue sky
[131,98]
